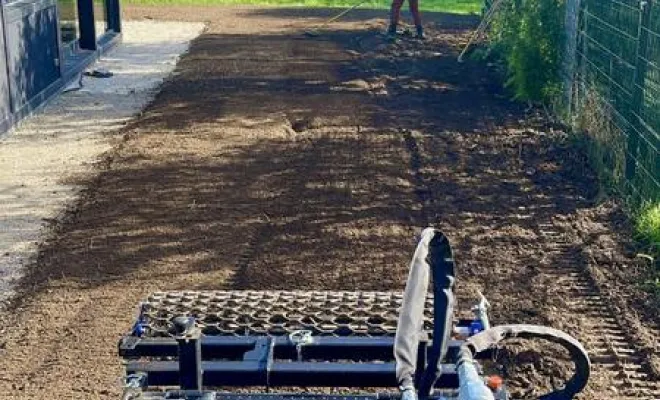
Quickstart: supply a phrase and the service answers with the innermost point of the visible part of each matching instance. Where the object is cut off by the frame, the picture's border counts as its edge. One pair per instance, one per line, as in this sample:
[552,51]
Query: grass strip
[447,6]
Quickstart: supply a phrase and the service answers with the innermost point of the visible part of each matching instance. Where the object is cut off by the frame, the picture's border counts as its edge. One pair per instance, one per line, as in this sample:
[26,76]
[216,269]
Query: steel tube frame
[282,374]
[190,361]
[211,395]
[233,348]
[114,15]
[272,362]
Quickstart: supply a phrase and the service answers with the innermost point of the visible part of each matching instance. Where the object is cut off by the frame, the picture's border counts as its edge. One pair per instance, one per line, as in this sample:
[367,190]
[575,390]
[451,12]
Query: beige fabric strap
[433,256]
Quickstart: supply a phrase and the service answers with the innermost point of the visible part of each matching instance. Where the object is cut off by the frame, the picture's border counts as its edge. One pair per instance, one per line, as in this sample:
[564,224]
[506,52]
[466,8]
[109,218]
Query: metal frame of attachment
[207,361]
[408,360]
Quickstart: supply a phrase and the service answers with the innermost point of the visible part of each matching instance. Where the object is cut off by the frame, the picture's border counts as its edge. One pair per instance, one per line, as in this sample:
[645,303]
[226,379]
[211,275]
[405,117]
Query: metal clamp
[299,339]
[133,385]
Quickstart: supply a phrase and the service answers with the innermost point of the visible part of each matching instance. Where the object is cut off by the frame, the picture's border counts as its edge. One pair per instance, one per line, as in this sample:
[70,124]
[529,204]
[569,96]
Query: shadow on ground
[286,162]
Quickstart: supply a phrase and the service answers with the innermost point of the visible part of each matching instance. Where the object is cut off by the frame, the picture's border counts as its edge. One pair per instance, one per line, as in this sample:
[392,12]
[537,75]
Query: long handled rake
[485,22]
[315,31]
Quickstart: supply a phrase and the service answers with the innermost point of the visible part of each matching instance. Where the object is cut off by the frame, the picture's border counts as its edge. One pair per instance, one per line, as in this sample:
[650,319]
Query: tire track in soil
[331,154]
[260,233]
[257,234]
[422,190]
[611,349]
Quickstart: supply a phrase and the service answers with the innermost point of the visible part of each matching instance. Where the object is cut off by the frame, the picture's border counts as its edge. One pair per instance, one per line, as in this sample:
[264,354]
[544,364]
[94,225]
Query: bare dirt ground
[274,160]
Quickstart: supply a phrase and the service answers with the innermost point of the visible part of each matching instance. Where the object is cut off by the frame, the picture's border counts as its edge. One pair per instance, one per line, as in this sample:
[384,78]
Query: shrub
[648,232]
[529,34]
[648,226]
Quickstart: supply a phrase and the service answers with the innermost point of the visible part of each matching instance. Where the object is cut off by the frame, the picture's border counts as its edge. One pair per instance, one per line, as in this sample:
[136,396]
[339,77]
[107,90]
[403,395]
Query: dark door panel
[5,104]
[32,54]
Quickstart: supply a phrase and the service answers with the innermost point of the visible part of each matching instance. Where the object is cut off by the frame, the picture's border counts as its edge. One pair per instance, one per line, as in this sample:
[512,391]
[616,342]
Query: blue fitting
[476,327]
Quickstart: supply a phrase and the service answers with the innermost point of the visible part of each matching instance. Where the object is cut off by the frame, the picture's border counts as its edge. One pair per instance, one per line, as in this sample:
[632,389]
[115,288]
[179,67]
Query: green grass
[648,230]
[648,224]
[448,6]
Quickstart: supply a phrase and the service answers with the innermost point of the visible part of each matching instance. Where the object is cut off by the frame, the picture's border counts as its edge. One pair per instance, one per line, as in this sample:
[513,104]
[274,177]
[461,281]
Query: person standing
[395,15]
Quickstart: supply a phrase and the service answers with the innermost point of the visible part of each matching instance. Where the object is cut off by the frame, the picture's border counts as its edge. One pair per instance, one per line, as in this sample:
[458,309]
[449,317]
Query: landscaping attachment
[189,345]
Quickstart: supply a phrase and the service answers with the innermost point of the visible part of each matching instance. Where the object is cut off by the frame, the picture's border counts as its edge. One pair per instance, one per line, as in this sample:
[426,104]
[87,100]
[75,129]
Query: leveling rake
[215,345]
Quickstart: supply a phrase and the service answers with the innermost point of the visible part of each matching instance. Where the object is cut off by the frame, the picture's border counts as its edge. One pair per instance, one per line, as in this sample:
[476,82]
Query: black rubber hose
[492,337]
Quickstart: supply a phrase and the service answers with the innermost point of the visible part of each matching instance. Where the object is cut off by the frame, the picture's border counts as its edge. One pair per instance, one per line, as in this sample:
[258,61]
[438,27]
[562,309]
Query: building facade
[45,44]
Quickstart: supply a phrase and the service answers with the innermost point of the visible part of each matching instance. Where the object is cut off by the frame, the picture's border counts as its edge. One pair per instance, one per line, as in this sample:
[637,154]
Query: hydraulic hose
[433,256]
[492,337]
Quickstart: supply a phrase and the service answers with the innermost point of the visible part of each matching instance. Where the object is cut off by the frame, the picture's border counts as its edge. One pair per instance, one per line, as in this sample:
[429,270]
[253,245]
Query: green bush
[648,232]
[529,35]
[648,226]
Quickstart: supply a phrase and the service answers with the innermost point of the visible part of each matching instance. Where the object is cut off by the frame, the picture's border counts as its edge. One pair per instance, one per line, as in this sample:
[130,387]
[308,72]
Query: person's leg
[417,17]
[395,13]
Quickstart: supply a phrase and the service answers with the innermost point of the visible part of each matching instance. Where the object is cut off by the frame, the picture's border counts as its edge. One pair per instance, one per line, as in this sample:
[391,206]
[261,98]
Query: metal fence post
[571,23]
[638,90]
[86,23]
[581,50]
[114,15]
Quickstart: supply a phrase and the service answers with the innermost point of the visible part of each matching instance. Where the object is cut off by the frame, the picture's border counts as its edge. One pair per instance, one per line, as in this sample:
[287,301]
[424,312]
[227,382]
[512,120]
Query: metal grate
[241,313]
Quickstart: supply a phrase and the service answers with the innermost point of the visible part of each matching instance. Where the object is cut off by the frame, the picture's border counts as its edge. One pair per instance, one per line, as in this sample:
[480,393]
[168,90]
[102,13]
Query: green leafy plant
[529,35]
[647,227]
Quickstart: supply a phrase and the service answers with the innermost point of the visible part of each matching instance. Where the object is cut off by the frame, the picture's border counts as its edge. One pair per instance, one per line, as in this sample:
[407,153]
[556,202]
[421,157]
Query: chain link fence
[612,70]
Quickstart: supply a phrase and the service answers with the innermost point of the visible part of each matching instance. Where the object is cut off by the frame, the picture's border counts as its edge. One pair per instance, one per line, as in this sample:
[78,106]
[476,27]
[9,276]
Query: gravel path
[41,161]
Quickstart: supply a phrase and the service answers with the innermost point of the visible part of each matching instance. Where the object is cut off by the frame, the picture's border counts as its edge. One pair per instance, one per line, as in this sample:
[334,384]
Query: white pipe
[470,384]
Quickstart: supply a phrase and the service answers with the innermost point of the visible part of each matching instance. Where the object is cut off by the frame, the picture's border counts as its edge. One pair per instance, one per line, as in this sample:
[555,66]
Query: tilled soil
[274,160]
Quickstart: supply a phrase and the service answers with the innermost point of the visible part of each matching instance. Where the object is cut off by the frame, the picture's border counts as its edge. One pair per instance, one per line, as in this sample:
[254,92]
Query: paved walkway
[43,161]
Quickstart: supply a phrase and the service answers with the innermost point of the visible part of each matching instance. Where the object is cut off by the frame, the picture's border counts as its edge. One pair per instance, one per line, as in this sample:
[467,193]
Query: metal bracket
[190,353]
[262,356]
[481,311]
[128,343]
[300,339]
